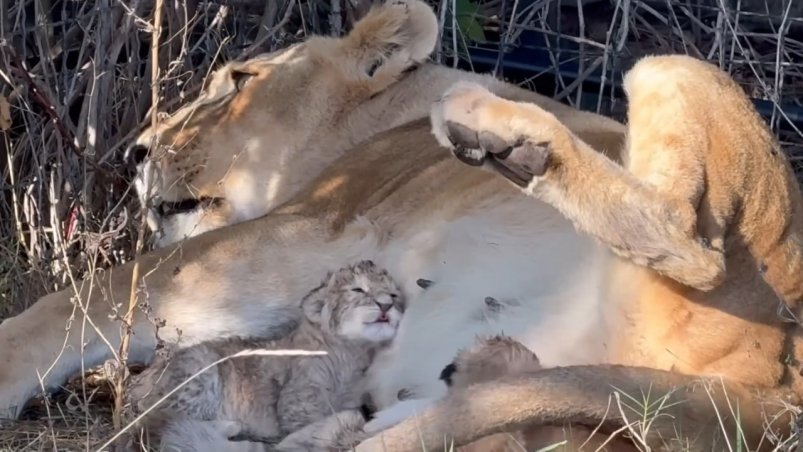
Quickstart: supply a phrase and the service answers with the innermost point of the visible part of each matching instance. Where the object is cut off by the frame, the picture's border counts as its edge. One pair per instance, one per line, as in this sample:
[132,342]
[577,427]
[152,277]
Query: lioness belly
[544,275]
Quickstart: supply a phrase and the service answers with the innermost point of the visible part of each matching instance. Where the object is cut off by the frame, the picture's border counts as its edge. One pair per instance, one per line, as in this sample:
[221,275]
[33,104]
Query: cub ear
[312,306]
[312,303]
[390,39]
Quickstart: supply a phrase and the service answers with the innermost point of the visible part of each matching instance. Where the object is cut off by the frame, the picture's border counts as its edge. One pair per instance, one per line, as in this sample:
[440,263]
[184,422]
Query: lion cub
[351,315]
[491,358]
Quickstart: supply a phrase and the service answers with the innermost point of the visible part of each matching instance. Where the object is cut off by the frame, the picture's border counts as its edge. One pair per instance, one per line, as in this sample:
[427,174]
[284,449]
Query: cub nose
[135,154]
[384,307]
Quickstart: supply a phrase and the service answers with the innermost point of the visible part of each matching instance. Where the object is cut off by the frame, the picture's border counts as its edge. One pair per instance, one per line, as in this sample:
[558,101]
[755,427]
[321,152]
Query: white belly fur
[523,251]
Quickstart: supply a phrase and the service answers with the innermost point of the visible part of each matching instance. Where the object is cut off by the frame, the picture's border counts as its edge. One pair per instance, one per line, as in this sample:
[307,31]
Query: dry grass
[76,86]
[759,42]
[76,418]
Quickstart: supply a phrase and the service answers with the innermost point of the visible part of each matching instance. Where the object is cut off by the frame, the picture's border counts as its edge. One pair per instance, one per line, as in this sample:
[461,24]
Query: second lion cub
[350,316]
[494,357]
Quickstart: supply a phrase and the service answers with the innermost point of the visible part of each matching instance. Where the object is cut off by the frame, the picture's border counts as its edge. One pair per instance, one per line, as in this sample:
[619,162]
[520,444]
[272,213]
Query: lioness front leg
[204,288]
[637,219]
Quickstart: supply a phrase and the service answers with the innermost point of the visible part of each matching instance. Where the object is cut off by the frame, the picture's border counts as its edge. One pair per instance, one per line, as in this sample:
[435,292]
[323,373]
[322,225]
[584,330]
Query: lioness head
[263,128]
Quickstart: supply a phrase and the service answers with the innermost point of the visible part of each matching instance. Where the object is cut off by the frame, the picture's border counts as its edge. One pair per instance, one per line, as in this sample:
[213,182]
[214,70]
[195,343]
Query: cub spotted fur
[494,357]
[488,359]
[334,433]
[352,314]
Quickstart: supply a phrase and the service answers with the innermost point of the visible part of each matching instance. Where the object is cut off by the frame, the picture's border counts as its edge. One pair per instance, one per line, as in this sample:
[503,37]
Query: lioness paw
[479,129]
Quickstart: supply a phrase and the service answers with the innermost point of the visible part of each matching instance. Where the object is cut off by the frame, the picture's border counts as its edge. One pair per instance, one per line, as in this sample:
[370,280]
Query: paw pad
[519,160]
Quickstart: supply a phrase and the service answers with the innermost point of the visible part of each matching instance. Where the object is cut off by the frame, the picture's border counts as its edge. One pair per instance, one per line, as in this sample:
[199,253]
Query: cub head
[488,359]
[359,302]
[263,128]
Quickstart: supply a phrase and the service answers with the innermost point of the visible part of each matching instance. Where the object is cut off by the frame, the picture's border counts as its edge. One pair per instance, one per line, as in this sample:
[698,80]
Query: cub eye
[394,296]
[358,290]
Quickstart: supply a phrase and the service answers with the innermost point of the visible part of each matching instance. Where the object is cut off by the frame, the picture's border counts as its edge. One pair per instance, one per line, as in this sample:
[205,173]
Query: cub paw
[476,125]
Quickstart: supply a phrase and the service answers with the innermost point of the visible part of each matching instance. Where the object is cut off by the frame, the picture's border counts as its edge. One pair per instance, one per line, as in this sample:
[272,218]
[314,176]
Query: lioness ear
[226,81]
[389,40]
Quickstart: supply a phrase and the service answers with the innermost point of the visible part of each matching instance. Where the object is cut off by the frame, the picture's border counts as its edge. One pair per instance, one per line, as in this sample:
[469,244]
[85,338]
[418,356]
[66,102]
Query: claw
[473,157]
[504,154]
[523,163]
[462,136]
[494,144]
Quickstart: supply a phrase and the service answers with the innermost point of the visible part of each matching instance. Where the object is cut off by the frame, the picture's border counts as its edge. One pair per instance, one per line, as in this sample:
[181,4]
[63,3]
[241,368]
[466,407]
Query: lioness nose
[135,154]
[384,307]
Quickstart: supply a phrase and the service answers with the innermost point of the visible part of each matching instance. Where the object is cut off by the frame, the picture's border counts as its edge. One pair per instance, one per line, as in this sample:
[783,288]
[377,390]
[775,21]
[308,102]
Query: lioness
[323,153]
[706,220]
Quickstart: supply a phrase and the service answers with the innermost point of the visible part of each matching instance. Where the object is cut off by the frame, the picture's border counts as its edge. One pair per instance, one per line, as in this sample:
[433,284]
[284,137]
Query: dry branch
[81,79]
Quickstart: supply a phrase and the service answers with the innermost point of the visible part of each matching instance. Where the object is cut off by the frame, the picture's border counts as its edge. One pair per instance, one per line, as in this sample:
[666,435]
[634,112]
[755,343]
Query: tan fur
[701,164]
[311,164]
[297,123]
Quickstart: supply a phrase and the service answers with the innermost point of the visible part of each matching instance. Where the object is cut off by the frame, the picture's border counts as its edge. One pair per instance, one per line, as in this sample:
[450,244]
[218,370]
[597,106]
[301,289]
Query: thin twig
[254,48]
[48,107]
[128,320]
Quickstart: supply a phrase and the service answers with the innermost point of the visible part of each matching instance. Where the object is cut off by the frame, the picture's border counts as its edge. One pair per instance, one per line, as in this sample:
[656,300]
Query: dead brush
[77,85]
[79,79]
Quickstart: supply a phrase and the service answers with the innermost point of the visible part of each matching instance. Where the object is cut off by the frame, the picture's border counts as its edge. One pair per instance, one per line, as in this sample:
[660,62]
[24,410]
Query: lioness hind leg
[648,217]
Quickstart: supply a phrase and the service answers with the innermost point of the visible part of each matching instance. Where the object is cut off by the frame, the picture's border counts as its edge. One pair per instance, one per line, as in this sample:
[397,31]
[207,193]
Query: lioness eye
[358,290]
[394,296]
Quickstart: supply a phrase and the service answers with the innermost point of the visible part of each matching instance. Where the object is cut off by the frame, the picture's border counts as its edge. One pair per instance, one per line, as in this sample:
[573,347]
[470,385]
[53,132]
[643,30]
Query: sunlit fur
[321,154]
[705,218]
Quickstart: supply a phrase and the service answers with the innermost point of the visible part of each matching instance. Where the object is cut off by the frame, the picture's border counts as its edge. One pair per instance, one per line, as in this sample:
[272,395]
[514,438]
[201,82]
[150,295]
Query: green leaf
[466,16]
